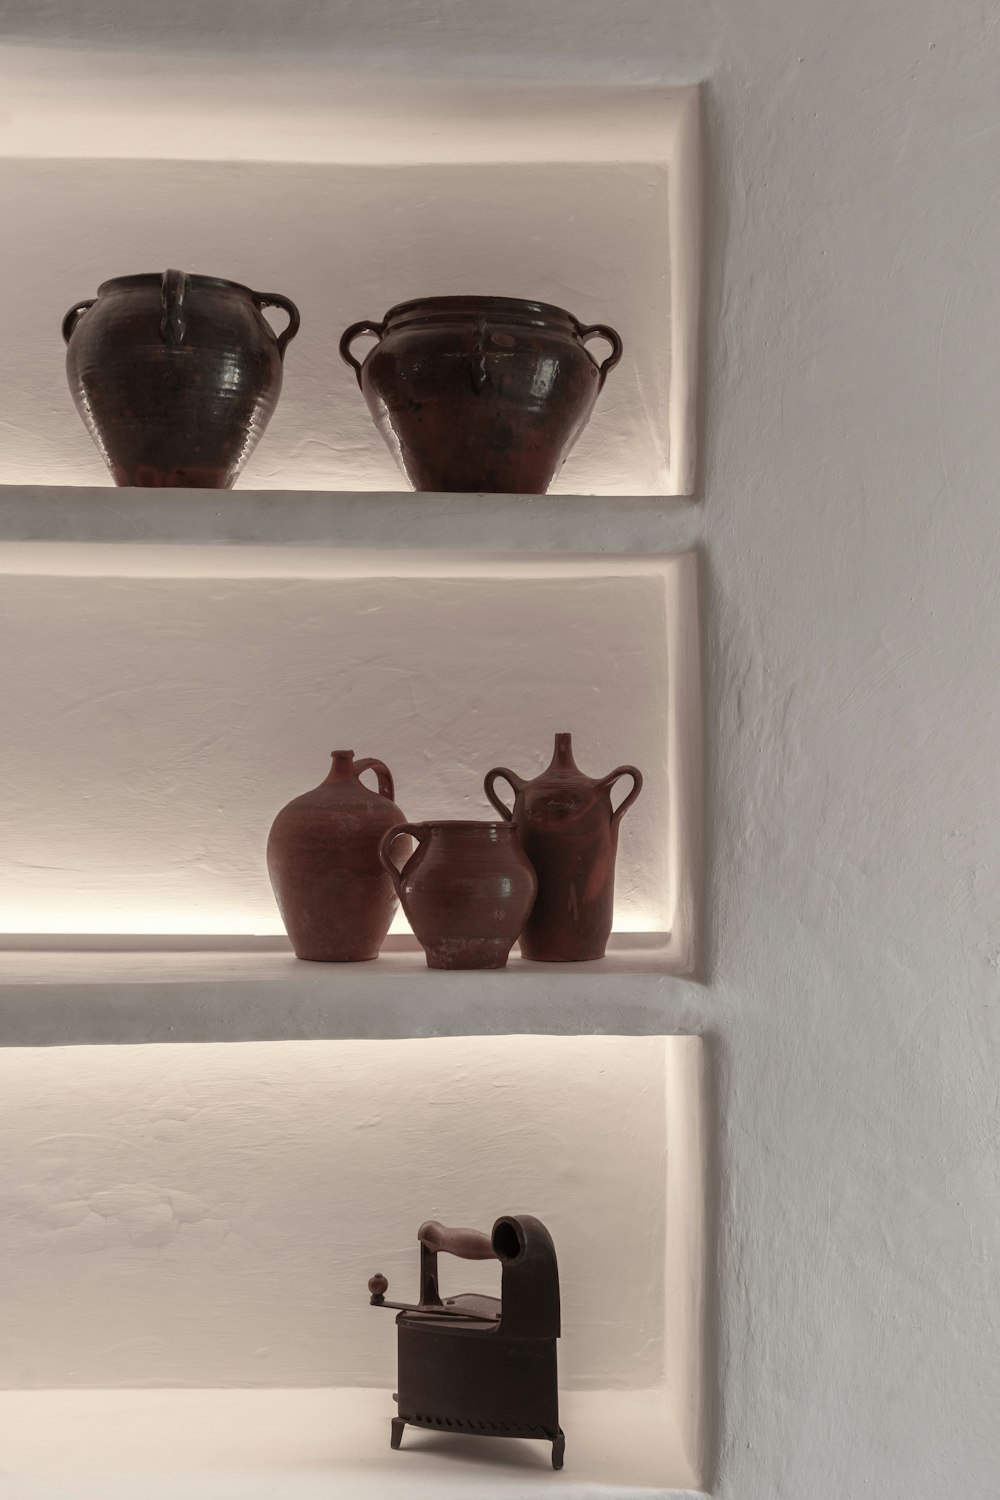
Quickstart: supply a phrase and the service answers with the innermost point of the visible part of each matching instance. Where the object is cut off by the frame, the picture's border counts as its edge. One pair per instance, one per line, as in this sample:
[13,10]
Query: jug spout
[562,755]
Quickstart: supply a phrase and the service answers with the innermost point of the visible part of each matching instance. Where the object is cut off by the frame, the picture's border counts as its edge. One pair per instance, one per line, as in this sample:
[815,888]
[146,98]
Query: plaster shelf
[126,993]
[96,531]
[320,1445]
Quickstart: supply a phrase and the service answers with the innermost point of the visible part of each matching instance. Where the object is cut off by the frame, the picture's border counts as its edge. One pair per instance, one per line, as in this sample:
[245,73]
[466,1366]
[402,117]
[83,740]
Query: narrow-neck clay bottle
[568,828]
[335,897]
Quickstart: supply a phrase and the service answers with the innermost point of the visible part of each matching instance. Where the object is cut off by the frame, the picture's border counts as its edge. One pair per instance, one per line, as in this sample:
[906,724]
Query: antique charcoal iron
[476,1364]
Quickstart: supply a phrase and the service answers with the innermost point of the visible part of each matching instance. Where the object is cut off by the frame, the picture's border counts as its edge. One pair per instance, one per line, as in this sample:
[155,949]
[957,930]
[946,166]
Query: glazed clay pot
[335,898]
[569,830]
[466,889]
[175,376]
[480,393]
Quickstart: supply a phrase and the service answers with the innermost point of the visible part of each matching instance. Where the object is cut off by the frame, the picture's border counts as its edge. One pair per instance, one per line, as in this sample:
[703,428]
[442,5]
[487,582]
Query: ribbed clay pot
[176,376]
[569,830]
[466,889]
[334,895]
[480,393]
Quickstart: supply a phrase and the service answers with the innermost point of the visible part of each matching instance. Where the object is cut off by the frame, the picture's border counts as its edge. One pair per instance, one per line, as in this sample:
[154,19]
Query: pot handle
[609,782]
[347,339]
[601,330]
[385,786]
[515,782]
[71,319]
[173,324]
[275,299]
[418,831]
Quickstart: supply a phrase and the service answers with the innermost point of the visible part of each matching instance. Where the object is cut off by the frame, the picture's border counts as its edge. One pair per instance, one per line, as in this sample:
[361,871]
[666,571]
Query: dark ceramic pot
[176,376]
[480,394]
[335,898]
[569,830]
[466,890]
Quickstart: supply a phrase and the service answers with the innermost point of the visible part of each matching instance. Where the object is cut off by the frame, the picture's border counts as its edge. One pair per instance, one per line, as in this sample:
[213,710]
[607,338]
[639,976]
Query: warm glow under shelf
[126,993]
[320,1445]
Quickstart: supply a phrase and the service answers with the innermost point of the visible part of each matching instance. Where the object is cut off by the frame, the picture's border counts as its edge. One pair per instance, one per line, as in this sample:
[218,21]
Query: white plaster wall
[850,456]
[221,1224]
[158,724]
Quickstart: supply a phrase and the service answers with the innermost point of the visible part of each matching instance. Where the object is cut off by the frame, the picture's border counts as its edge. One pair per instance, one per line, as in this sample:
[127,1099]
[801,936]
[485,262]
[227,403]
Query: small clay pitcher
[569,830]
[176,376]
[480,393]
[466,889]
[335,899]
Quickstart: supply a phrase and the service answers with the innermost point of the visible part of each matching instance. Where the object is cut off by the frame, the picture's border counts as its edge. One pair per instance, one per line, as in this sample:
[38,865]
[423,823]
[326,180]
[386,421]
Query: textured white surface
[137,992]
[319,1445]
[161,723]
[74,531]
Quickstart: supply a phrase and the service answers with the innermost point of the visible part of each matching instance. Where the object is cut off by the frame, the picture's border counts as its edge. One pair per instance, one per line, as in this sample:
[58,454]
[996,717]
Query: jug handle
[385,786]
[71,319]
[347,339]
[601,330]
[275,299]
[173,326]
[515,783]
[418,830]
[609,782]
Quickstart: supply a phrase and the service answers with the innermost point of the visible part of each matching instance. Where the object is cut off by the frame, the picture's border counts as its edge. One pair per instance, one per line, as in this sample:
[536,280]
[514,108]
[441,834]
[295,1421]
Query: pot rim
[518,306]
[155,278]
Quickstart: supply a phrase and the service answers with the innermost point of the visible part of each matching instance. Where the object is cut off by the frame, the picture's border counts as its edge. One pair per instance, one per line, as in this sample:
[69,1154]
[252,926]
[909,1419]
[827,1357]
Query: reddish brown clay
[569,831]
[466,889]
[335,899]
[176,376]
[480,393]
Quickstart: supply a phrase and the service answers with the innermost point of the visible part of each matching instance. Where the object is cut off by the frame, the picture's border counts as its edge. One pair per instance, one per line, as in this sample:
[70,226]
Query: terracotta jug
[466,890]
[480,393]
[569,830]
[176,376]
[335,899]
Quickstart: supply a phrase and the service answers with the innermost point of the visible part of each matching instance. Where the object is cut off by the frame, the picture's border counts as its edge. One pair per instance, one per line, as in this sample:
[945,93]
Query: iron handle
[275,299]
[71,319]
[601,330]
[382,772]
[469,1244]
[347,339]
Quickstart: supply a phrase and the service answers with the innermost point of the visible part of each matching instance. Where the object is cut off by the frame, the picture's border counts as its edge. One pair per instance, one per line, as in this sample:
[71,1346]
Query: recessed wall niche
[209,1217]
[163,716]
[348,204]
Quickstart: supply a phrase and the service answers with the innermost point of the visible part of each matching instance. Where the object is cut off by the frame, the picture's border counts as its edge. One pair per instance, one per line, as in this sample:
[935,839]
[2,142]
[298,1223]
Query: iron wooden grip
[469,1244]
